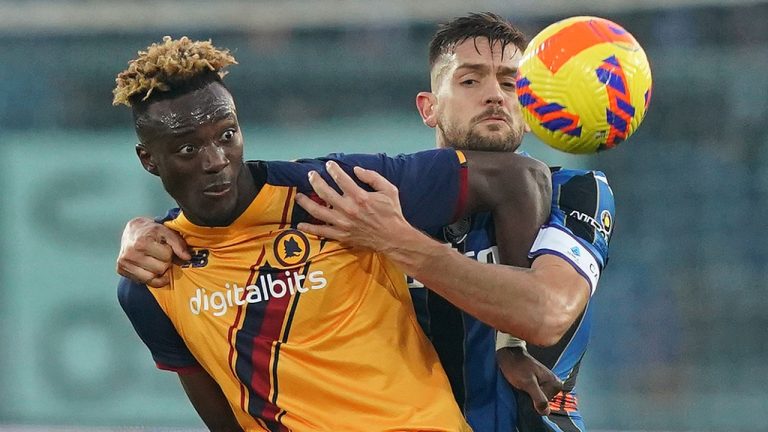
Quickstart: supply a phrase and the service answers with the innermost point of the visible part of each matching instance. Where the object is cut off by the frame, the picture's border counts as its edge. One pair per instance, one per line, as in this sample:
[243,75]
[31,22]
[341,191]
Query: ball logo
[291,248]
[607,221]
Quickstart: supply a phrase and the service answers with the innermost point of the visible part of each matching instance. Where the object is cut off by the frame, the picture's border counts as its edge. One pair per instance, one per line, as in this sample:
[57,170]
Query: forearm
[513,300]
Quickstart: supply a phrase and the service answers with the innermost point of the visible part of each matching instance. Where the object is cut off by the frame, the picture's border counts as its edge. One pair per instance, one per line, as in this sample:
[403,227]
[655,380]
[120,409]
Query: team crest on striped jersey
[291,248]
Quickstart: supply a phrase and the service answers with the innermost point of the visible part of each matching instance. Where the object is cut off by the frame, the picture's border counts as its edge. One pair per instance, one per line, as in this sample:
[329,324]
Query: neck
[247,189]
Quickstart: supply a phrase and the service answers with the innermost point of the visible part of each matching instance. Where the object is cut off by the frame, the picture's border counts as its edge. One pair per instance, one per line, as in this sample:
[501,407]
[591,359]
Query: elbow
[551,330]
[554,319]
[538,332]
[546,336]
[541,178]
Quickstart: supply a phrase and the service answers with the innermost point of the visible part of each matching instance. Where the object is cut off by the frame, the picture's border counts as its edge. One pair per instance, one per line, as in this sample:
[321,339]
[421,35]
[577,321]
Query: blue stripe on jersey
[580,201]
[575,348]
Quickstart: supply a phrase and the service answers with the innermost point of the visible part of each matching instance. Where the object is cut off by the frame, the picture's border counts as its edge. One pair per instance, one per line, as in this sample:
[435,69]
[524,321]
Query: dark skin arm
[527,374]
[209,402]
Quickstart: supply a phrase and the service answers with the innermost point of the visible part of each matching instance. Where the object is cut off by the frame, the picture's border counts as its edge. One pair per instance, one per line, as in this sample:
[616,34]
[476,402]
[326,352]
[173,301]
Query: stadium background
[680,339]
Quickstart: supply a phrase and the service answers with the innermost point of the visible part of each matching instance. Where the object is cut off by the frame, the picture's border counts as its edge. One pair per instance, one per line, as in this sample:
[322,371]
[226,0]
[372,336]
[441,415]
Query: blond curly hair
[166,65]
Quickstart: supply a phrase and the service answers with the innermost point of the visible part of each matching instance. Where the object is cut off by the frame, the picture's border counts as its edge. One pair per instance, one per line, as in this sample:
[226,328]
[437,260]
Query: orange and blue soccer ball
[584,85]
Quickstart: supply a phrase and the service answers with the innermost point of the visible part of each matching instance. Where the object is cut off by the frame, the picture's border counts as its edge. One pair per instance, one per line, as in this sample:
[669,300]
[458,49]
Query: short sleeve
[432,183]
[155,328]
[581,222]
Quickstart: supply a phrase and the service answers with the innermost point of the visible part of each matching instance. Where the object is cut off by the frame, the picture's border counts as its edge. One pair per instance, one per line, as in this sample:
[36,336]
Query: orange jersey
[301,333]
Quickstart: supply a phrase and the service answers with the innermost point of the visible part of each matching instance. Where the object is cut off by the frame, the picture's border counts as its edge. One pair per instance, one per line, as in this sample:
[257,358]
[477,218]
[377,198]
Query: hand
[147,250]
[525,373]
[357,218]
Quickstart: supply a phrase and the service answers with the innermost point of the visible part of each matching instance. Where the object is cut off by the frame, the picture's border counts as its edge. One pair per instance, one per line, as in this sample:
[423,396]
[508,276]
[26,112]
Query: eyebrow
[483,68]
[217,116]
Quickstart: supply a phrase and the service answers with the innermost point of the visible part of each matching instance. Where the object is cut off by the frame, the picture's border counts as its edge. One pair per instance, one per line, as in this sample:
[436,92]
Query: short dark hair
[475,25]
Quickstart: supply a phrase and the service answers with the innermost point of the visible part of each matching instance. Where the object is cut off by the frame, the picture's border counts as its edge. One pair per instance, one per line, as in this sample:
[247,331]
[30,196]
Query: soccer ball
[584,85]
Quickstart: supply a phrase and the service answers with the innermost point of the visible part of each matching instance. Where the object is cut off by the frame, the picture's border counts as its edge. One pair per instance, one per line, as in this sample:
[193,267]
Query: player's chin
[493,142]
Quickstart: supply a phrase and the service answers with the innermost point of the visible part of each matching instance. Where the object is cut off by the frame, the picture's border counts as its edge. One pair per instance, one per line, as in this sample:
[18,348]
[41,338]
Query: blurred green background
[680,337]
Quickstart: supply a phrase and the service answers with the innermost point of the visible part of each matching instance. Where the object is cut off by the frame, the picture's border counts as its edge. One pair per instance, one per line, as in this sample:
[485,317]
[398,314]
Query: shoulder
[583,204]
[530,177]
[583,191]
[137,301]
[581,182]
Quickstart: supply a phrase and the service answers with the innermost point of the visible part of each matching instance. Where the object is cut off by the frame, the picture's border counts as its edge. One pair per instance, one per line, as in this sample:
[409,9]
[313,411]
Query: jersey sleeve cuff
[504,340]
[554,240]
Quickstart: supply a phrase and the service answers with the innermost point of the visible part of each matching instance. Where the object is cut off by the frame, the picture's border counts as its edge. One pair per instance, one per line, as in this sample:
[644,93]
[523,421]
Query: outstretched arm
[510,299]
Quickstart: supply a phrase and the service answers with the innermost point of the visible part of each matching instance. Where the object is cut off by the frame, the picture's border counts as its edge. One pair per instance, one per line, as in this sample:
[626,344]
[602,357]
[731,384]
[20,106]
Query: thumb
[178,245]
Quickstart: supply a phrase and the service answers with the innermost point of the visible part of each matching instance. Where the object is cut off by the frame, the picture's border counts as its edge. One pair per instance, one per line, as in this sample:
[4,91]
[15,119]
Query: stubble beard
[462,139]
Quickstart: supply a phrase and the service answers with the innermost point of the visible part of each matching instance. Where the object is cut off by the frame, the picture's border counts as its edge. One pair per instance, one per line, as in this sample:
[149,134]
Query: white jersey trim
[555,240]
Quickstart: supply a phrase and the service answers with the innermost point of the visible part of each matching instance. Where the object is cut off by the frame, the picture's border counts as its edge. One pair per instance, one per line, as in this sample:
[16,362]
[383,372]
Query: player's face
[476,104]
[193,142]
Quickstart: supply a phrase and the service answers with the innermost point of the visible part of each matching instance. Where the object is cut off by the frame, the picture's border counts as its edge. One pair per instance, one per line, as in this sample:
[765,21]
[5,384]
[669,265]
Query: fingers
[316,210]
[148,251]
[140,275]
[551,386]
[540,400]
[376,181]
[343,180]
[326,231]
[323,190]
[348,204]
[160,281]
[177,244]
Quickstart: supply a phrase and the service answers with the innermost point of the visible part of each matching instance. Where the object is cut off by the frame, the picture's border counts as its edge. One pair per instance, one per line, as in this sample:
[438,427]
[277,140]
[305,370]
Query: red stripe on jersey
[261,354]
[461,202]
[235,325]
[287,205]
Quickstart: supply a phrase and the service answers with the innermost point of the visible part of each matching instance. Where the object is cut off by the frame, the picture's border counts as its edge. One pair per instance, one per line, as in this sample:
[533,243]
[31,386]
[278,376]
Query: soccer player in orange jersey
[271,329]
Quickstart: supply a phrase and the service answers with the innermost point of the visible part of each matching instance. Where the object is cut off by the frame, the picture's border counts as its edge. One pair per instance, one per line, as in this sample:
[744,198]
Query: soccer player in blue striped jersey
[472,105]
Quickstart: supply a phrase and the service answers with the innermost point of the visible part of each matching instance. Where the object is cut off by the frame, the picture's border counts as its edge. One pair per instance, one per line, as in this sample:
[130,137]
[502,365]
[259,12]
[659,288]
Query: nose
[495,95]
[214,158]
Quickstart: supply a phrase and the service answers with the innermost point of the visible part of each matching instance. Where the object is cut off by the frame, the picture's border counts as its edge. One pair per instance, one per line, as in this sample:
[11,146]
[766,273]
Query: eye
[228,135]
[509,85]
[469,82]
[187,149]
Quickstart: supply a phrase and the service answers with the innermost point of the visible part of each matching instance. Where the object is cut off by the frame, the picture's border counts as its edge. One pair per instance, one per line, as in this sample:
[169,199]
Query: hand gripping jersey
[579,228]
[303,334]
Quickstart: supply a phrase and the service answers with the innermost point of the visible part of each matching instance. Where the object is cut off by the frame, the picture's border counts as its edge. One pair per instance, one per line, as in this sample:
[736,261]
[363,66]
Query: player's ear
[426,103]
[146,159]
